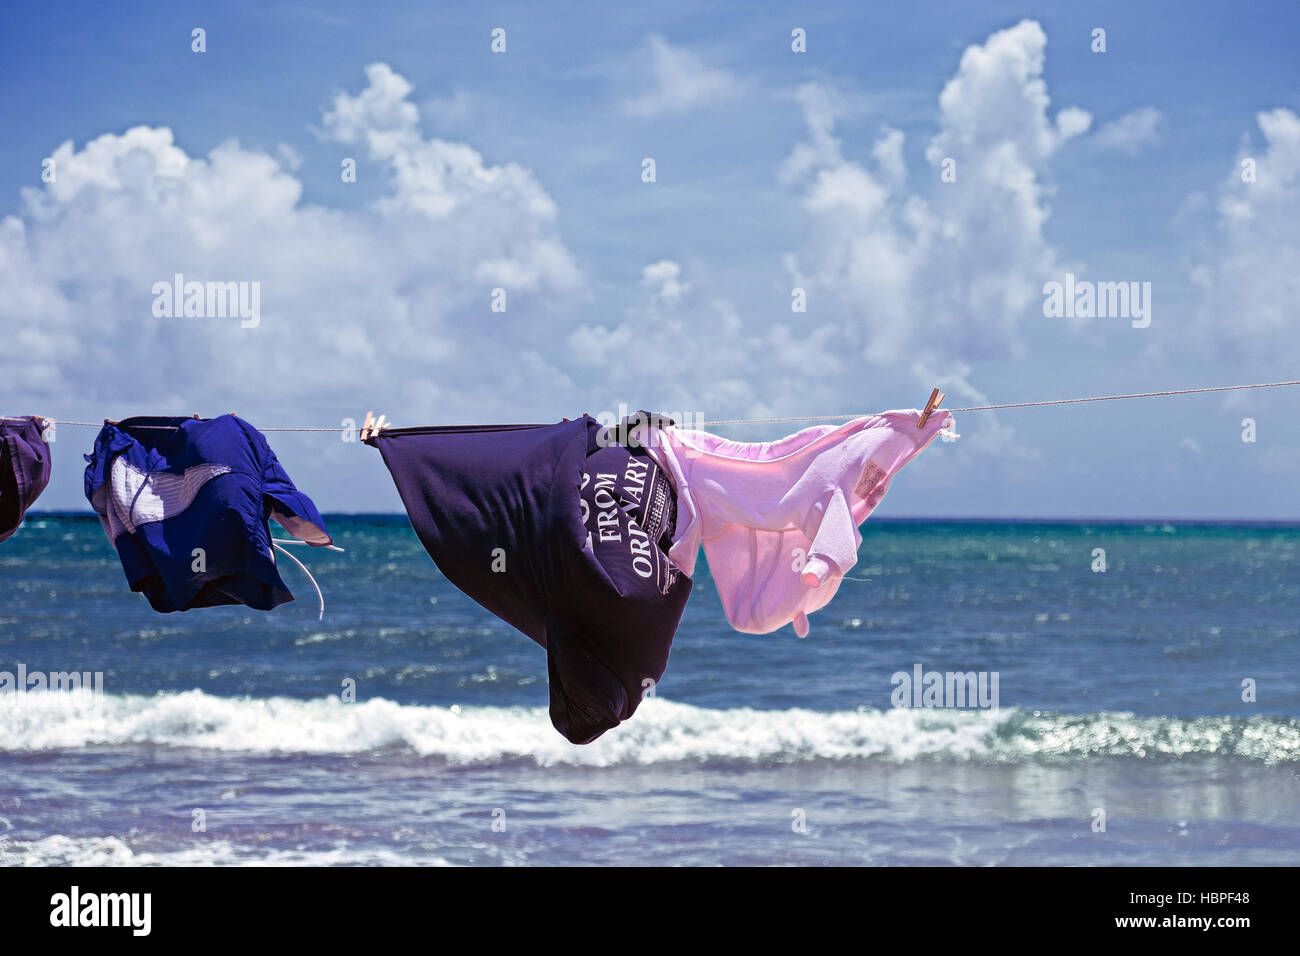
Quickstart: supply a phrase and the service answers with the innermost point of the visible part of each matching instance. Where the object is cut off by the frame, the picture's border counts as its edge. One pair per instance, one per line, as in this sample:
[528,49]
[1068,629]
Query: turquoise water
[1118,691]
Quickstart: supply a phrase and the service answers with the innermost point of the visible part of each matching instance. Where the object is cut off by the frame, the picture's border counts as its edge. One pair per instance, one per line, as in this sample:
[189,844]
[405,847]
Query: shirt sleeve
[290,507]
[835,546]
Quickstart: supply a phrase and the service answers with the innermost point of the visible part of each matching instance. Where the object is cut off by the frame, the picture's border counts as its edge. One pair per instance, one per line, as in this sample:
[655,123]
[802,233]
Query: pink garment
[779,520]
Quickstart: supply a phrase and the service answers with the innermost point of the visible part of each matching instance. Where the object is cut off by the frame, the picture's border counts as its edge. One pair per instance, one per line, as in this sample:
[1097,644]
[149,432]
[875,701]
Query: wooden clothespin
[372,426]
[936,398]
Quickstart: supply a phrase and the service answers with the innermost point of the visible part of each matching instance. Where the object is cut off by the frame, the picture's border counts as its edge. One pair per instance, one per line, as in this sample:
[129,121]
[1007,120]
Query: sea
[1141,693]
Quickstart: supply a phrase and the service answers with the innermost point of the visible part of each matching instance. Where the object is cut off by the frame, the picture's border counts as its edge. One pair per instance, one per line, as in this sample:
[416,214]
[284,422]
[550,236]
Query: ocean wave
[662,731]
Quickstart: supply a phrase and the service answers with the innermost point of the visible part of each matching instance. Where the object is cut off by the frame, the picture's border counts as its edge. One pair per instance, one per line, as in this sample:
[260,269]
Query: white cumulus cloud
[1132,132]
[1248,270]
[390,301]
[951,269]
[680,81]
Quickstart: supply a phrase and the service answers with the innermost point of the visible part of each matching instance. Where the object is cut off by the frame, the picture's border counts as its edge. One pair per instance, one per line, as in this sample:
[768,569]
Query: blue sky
[774,170]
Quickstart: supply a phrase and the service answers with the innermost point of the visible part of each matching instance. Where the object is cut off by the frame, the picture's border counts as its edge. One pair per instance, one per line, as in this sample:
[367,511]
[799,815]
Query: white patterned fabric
[140,497]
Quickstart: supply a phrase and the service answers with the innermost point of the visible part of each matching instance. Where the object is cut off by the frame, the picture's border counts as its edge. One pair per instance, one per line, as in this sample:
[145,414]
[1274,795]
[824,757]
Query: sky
[917,176]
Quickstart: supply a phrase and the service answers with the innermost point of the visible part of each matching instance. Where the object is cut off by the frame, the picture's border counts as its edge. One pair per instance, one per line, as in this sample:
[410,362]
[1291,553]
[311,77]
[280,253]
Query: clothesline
[808,418]
[989,408]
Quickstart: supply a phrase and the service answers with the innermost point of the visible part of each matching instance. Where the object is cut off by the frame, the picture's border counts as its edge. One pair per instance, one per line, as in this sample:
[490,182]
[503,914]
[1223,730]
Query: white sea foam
[661,731]
[110,851]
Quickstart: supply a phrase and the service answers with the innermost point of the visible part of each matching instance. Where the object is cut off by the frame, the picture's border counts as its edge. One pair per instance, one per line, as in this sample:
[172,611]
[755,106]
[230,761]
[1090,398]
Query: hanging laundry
[185,502]
[24,469]
[564,536]
[779,520]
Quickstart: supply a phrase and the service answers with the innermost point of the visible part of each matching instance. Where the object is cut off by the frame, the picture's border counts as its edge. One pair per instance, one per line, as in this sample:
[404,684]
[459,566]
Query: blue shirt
[186,501]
